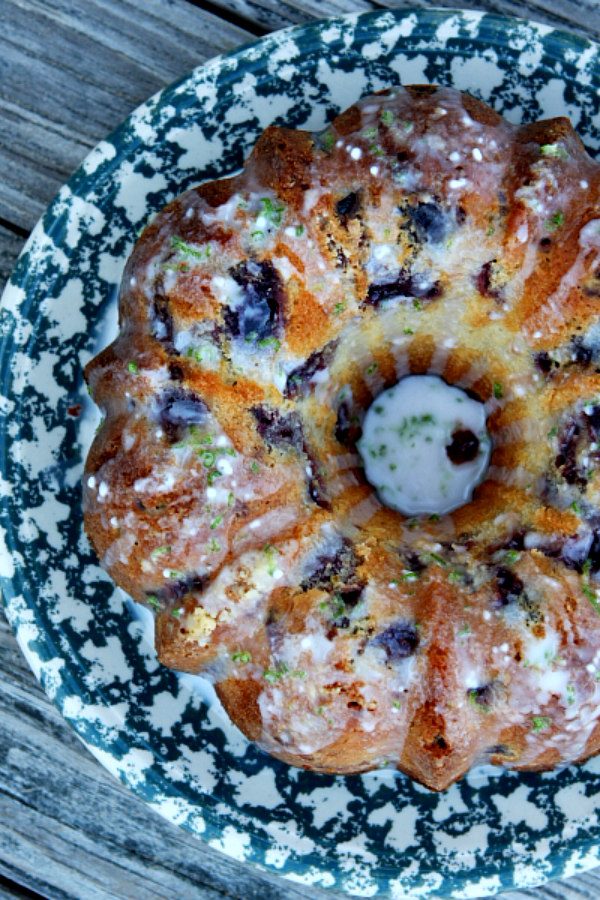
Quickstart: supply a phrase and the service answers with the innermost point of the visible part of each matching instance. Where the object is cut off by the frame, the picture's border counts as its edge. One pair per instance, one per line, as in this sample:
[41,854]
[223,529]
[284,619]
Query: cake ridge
[420,233]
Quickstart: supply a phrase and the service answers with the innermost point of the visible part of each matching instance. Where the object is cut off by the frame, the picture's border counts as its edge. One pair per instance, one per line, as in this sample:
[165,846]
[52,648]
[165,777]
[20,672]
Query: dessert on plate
[351,446]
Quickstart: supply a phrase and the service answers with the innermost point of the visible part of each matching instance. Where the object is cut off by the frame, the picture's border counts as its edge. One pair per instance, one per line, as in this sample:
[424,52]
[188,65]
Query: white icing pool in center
[412,432]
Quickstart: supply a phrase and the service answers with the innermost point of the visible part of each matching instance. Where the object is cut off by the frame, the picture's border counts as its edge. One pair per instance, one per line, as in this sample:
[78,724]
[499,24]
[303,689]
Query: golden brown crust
[260,315]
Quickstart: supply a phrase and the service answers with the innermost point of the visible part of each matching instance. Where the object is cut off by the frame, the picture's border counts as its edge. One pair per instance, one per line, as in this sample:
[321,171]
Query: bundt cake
[263,319]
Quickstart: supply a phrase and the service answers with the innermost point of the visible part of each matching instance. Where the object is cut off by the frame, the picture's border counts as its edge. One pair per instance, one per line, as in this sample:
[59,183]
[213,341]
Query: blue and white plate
[165,735]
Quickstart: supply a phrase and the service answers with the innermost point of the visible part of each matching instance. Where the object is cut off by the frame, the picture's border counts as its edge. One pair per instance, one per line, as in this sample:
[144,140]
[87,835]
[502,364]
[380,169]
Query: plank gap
[12,226]
[16,889]
[231,16]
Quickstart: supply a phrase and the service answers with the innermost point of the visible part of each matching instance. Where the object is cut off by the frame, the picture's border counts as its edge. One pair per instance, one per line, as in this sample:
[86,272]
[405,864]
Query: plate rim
[561,37]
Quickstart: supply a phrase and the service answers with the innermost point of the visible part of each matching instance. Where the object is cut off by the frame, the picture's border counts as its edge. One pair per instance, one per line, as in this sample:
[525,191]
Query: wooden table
[70,70]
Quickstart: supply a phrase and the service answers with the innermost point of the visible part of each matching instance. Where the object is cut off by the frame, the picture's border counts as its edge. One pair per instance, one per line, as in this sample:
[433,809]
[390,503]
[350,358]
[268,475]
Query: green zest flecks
[272,210]
[556,220]
[406,436]
[474,699]
[334,606]
[409,575]
[196,252]
[540,723]
[434,558]
[270,342]
[160,551]
[282,671]
[208,452]
[271,554]
[587,589]
[205,352]
[174,574]
[556,151]
[327,141]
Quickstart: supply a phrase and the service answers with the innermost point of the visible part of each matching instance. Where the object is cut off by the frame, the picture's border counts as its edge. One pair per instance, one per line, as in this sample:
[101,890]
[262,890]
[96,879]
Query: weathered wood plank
[106,58]
[229,14]
[164,35]
[67,829]
[10,247]
[581,17]
[59,97]
[8,888]
[275,14]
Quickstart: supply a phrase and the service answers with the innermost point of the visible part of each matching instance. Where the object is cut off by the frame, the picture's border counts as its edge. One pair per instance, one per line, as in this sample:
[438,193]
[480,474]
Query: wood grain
[59,97]
[70,71]
[582,17]
[96,839]
[70,830]
[10,247]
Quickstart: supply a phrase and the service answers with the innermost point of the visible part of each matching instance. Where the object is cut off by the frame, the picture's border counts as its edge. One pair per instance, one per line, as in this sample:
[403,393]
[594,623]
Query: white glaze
[405,435]
[444,163]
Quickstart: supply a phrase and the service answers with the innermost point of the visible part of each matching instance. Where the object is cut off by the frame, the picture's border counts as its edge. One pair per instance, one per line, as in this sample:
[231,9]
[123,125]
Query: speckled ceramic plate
[165,735]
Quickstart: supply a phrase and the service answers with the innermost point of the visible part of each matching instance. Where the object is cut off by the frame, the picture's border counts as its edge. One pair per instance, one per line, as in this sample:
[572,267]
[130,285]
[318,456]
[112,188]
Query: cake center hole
[425,446]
